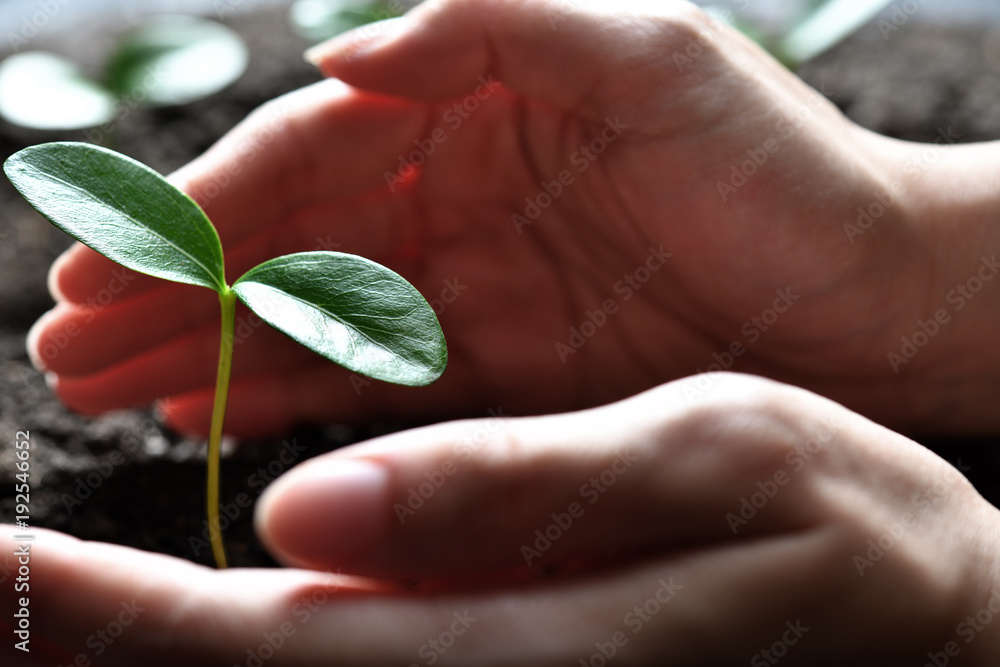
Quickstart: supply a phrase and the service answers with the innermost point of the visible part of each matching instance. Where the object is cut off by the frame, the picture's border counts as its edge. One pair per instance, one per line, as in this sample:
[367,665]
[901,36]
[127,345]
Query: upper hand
[639,267]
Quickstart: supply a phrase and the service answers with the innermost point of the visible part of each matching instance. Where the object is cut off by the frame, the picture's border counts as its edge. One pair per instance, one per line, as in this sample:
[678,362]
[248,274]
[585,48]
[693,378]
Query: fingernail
[357,42]
[325,514]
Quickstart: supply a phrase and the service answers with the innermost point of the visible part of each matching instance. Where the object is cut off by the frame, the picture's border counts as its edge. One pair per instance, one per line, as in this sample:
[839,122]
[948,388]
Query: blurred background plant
[178,59]
[801,32]
[319,20]
[805,30]
[163,61]
[794,31]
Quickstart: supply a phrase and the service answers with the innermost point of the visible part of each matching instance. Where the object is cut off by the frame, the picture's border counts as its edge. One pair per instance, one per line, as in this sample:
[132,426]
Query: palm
[557,311]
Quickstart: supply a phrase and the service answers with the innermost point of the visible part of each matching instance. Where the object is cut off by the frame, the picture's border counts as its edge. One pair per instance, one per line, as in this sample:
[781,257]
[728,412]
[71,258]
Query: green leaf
[352,311]
[43,91]
[122,209]
[175,60]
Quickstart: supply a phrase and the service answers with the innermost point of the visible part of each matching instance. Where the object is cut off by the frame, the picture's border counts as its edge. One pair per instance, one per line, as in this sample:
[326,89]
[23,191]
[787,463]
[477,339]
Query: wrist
[978,632]
[945,201]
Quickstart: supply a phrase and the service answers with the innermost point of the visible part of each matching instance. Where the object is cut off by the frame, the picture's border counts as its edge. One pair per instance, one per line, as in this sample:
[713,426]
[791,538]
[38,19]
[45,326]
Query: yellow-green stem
[227,300]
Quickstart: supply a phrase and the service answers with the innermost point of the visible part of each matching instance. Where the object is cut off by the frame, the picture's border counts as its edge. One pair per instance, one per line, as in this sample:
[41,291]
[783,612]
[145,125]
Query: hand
[759,518]
[652,258]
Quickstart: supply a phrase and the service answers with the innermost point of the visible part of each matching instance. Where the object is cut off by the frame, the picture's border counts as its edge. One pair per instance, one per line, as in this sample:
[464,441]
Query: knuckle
[750,427]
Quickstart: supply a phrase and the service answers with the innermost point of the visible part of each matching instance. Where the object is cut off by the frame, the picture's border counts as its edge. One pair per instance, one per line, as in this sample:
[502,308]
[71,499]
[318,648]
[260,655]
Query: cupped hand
[760,522]
[594,199]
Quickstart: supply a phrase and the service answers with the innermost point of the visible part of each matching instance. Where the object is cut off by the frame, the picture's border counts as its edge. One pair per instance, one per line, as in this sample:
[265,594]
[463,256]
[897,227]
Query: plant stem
[227,300]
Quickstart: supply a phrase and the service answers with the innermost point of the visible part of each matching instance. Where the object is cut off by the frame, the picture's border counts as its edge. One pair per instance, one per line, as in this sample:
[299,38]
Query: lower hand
[756,518]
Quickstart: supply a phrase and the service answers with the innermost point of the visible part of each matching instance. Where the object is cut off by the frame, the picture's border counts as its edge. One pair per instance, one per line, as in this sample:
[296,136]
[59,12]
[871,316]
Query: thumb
[592,60]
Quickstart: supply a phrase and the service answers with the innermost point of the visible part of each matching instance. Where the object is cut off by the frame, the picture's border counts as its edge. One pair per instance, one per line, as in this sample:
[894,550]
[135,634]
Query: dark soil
[123,478]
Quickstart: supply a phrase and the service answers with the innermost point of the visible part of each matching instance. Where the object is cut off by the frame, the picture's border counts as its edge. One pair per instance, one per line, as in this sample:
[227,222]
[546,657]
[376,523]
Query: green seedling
[164,61]
[818,26]
[348,309]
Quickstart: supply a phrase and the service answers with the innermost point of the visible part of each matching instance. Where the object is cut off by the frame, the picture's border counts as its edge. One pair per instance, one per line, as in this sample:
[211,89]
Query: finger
[187,362]
[578,59]
[123,606]
[321,393]
[76,340]
[131,607]
[35,652]
[323,143]
[119,605]
[531,492]
[85,277]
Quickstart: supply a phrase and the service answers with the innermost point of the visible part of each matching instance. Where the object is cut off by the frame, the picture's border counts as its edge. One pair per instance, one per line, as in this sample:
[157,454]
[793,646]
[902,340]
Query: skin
[309,170]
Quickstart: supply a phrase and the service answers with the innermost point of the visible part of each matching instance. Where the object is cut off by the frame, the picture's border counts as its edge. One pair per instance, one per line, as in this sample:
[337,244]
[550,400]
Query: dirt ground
[124,478]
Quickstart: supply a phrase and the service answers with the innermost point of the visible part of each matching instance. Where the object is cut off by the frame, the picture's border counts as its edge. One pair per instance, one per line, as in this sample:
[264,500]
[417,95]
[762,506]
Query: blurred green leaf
[122,209]
[46,92]
[807,29]
[175,60]
[828,25]
[319,20]
[352,311]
